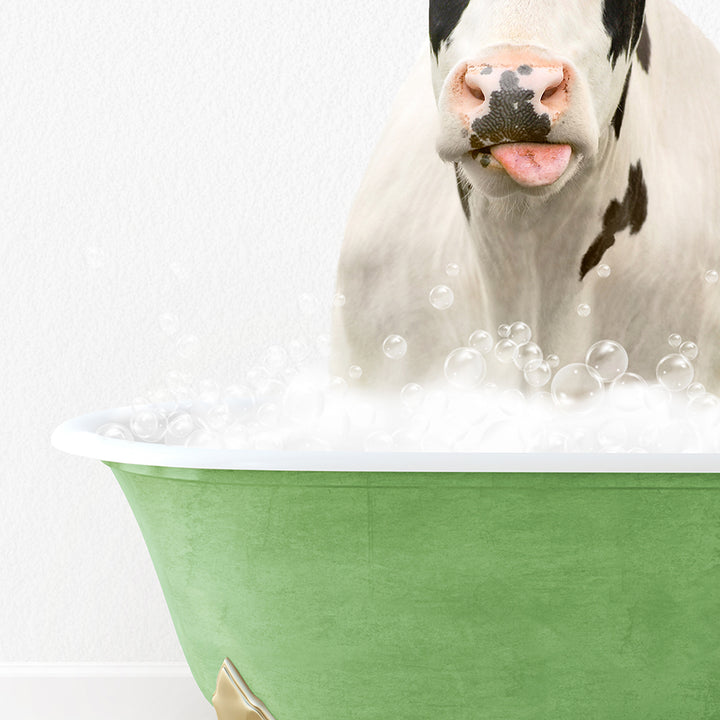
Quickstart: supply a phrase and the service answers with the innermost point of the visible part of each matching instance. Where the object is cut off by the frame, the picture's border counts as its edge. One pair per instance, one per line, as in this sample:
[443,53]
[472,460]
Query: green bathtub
[420,586]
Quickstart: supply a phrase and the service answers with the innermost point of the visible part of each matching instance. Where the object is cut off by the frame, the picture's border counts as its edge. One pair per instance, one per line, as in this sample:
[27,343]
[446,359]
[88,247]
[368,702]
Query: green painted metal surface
[360,596]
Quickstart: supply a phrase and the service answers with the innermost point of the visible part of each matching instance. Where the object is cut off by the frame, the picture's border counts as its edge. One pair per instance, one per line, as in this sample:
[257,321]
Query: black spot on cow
[524,70]
[631,212]
[644,49]
[623,21]
[444,16]
[486,70]
[464,189]
[617,120]
[511,116]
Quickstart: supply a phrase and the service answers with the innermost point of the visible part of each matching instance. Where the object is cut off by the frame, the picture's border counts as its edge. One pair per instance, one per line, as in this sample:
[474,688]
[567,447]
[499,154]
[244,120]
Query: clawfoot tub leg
[233,699]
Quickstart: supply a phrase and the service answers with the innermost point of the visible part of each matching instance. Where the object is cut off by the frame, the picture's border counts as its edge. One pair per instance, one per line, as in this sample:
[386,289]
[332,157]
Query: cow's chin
[495,182]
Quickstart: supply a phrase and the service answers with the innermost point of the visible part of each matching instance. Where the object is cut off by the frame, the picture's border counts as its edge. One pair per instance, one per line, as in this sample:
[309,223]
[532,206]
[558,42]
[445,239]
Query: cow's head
[527,90]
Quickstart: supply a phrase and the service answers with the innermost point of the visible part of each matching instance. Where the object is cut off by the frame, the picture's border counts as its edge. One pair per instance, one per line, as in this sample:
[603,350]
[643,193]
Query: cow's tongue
[533,164]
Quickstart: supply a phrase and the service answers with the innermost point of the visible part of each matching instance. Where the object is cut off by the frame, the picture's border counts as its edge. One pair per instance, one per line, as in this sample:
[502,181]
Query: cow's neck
[529,251]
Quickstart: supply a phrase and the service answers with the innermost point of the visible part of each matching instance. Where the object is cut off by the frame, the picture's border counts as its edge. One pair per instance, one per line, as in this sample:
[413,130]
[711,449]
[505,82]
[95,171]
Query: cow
[560,159]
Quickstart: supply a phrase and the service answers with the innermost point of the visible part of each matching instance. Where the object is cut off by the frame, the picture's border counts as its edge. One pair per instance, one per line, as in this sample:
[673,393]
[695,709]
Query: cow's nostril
[549,93]
[477,92]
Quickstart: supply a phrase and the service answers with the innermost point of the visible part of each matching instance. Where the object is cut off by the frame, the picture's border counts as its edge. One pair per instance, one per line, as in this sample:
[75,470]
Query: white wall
[159,156]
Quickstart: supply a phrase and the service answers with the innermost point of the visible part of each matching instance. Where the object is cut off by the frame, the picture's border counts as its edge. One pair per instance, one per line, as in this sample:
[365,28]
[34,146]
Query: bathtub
[338,586]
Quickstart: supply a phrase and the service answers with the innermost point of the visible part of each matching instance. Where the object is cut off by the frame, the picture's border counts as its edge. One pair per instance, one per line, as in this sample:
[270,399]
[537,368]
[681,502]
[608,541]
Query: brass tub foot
[233,699]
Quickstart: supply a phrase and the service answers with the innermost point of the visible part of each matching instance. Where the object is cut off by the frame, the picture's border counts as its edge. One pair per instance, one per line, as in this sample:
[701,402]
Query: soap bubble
[465,368]
[603,270]
[395,347]
[705,407]
[452,269]
[695,389]
[674,372]
[169,323]
[338,300]
[139,403]
[553,360]
[711,277]
[257,378]
[208,391]
[217,418]
[542,401]
[441,297]
[115,431]
[537,373]
[583,310]
[628,391]
[576,388]
[179,427]
[337,387]
[520,333]
[608,359]
[412,395]
[268,414]
[527,352]
[689,350]
[674,340]
[481,341]
[147,425]
[355,372]
[506,350]
[164,399]
[503,330]
[240,401]
[308,305]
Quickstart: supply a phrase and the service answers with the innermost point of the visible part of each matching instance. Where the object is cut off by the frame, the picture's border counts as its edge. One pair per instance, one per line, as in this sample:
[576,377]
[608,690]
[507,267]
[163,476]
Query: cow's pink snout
[496,84]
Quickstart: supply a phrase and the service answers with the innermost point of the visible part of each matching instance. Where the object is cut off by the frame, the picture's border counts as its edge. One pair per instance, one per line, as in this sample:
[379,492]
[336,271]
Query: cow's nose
[509,99]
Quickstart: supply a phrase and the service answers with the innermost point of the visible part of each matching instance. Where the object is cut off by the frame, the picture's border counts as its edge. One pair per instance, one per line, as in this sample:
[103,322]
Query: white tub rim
[78,437]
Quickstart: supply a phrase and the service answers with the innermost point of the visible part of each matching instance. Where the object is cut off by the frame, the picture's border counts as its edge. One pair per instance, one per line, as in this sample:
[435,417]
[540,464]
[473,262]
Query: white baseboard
[94,691]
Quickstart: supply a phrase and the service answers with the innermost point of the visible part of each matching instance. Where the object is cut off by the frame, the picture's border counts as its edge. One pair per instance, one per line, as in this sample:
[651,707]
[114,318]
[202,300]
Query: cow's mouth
[529,164]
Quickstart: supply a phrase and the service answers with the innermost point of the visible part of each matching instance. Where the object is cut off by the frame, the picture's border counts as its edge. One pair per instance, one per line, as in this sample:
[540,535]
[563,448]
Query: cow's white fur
[520,256]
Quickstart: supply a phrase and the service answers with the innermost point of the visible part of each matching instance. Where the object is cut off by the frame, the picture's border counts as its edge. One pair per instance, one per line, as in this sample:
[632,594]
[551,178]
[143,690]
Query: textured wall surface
[160,156]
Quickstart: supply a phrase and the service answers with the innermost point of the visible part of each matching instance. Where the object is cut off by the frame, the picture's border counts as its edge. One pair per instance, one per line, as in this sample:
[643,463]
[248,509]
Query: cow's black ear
[623,21]
[644,48]
[444,16]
